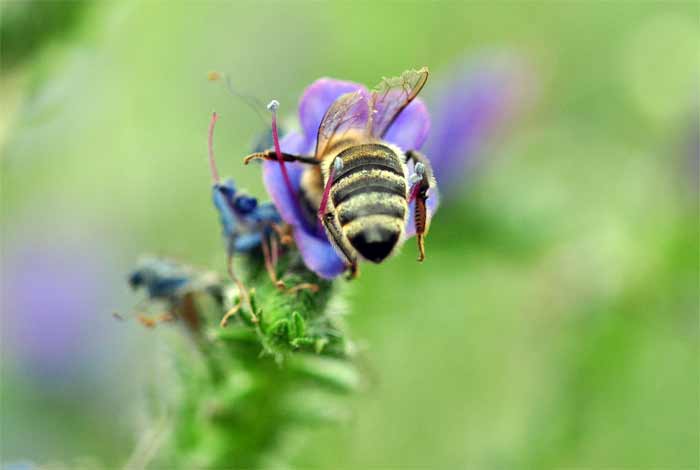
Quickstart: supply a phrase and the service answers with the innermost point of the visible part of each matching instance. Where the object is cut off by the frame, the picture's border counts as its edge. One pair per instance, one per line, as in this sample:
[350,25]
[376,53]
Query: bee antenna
[212,162]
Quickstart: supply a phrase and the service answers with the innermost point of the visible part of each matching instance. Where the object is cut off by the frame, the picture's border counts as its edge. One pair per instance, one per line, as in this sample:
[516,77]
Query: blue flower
[245,222]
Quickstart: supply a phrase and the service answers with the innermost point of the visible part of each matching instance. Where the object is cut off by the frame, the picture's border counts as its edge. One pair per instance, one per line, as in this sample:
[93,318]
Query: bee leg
[334,168]
[353,270]
[287,157]
[330,222]
[421,182]
[334,231]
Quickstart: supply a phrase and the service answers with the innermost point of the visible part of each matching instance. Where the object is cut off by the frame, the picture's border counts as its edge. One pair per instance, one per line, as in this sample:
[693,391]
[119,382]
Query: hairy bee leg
[270,155]
[335,167]
[421,182]
[331,226]
[329,221]
[353,270]
[421,217]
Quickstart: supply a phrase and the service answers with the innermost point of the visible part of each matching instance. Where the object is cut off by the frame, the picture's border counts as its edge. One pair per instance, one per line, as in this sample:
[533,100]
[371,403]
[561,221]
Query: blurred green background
[555,321]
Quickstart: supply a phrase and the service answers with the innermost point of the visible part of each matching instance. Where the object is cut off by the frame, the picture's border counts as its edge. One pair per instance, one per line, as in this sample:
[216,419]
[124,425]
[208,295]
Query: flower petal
[247,241]
[316,100]
[477,100]
[410,129]
[318,254]
[273,179]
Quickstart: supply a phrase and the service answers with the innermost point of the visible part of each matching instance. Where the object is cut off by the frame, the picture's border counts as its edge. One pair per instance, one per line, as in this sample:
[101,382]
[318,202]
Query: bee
[359,185]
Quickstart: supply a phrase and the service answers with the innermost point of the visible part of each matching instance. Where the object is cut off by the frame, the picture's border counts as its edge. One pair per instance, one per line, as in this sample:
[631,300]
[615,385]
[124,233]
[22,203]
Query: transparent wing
[348,112]
[391,96]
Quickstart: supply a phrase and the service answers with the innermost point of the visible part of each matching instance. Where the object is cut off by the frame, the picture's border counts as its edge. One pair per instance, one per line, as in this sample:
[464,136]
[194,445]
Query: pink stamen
[278,150]
[212,162]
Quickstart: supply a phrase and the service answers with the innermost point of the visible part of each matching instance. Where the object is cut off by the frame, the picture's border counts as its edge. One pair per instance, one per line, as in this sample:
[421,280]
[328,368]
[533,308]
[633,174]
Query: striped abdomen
[369,197]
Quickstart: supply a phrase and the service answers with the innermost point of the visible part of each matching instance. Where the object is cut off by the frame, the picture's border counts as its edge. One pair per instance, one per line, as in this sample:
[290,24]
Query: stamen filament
[272,107]
[212,162]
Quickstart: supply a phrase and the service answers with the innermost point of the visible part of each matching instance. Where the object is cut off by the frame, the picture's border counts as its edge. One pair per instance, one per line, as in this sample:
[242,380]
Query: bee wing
[391,96]
[349,111]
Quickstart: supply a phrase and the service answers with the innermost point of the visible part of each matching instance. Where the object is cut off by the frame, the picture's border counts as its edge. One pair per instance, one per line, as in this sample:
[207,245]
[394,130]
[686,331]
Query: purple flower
[476,100]
[55,302]
[408,132]
[468,108]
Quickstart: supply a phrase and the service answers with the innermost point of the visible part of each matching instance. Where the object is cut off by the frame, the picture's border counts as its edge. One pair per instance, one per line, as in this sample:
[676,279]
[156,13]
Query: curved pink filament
[278,152]
[212,162]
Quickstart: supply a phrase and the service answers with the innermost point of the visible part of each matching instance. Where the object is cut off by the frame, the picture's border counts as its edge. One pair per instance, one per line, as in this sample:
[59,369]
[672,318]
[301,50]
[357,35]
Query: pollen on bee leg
[421,247]
[418,175]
